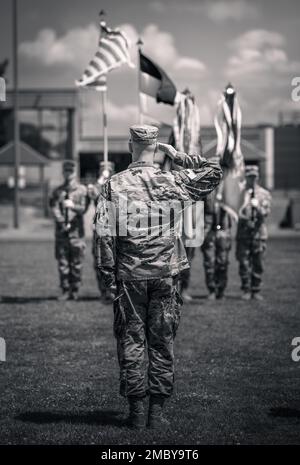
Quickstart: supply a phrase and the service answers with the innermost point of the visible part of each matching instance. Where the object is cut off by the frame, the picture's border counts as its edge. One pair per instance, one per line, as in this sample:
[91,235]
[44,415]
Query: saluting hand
[181,158]
[167,149]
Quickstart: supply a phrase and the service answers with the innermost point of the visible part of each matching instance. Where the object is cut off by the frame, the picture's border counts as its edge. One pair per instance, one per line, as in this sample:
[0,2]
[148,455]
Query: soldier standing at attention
[68,204]
[252,234]
[143,267]
[216,245]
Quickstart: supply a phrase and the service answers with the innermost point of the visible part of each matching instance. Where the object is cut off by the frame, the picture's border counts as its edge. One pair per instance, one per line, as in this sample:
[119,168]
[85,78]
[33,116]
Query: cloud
[78,45]
[224,10]
[119,116]
[261,70]
[190,63]
[158,7]
[259,56]
[126,113]
[72,48]
[60,59]
[216,10]
[160,46]
[258,38]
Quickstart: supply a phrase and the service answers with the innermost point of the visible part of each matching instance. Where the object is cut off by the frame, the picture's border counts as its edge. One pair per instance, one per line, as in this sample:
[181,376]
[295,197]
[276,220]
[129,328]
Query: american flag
[99,84]
[113,51]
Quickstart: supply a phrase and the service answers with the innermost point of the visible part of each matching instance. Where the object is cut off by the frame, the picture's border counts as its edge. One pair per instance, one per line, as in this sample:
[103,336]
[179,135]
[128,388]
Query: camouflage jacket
[94,190]
[252,220]
[78,194]
[152,249]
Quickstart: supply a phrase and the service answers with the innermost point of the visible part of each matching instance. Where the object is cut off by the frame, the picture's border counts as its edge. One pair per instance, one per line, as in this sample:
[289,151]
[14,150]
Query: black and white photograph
[149,228]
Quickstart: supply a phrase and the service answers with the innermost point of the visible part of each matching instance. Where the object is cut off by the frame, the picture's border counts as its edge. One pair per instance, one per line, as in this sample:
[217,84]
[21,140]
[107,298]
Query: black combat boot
[156,420]
[220,294]
[136,417]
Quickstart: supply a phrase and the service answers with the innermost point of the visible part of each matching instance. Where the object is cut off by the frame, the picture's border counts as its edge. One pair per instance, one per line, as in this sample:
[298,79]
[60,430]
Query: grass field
[235,380]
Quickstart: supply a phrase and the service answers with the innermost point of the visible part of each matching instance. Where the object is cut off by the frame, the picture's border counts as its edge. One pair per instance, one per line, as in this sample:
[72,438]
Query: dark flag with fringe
[155,82]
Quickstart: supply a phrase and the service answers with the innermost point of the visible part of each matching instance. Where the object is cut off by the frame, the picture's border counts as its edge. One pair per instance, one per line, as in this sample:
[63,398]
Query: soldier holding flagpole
[220,208]
[68,204]
[252,234]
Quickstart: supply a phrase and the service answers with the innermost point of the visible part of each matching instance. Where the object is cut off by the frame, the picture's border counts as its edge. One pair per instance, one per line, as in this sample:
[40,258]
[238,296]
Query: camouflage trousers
[100,283]
[69,252]
[250,254]
[185,275]
[215,249]
[146,318]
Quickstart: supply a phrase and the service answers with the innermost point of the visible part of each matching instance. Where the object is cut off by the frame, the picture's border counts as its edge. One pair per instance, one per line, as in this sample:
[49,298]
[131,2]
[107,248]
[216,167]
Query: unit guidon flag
[155,82]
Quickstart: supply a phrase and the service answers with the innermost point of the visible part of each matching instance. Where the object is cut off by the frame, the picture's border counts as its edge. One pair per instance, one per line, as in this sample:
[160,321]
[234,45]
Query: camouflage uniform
[94,190]
[145,268]
[97,189]
[69,245]
[251,238]
[216,245]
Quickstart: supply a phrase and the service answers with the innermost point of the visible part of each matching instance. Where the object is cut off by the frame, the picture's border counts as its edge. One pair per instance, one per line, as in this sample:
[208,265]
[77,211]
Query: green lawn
[235,380]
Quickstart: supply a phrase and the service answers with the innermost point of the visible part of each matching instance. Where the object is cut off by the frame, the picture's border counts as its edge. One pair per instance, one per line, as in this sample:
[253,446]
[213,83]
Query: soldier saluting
[68,204]
[144,268]
[252,234]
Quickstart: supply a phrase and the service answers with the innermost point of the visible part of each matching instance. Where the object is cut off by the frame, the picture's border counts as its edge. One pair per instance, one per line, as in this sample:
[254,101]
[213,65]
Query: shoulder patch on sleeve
[187,173]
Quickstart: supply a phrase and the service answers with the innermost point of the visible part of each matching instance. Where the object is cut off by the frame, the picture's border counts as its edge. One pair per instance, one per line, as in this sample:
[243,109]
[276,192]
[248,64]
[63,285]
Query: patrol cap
[251,170]
[69,165]
[144,134]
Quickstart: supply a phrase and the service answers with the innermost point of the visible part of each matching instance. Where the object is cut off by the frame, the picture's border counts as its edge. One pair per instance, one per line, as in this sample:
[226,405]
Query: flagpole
[16,116]
[139,50]
[105,133]
[102,14]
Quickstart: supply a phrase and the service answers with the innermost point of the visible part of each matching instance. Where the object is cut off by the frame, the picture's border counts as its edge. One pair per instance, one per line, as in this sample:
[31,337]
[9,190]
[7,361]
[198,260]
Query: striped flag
[228,122]
[186,138]
[100,84]
[186,125]
[113,51]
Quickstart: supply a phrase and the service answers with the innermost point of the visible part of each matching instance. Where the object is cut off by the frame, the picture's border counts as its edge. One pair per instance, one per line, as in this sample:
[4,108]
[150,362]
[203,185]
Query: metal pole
[16,115]
[139,46]
[102,16]
[105,134]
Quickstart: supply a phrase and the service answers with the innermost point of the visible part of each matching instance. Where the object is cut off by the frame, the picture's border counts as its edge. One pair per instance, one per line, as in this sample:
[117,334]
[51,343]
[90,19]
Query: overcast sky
[200,44]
